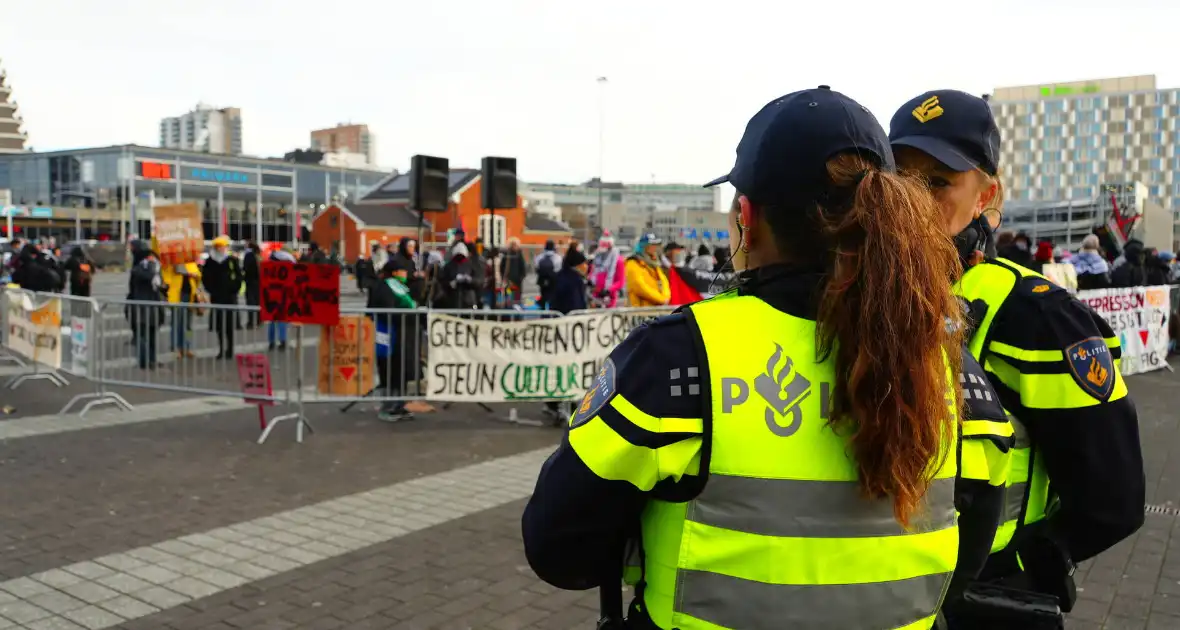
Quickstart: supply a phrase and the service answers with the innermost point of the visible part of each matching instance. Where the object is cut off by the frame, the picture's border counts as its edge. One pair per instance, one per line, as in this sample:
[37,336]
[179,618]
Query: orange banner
[179,235]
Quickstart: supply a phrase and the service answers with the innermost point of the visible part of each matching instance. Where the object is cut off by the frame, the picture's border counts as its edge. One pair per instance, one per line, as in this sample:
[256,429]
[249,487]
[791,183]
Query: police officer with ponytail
[1076,483]
[784,455]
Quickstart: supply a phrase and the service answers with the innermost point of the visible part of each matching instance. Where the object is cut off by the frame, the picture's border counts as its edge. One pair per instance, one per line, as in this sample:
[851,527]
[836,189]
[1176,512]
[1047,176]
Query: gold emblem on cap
[928,110]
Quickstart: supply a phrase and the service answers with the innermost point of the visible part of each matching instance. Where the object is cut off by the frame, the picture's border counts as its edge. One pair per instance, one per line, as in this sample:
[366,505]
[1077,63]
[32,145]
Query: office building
[630,210]
[348,141]
[206,129]
[109,191]
[1062,141]
[12,137]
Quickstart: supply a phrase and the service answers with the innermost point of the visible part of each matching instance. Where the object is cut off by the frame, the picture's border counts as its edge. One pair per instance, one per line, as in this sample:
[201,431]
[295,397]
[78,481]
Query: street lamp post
[601,125]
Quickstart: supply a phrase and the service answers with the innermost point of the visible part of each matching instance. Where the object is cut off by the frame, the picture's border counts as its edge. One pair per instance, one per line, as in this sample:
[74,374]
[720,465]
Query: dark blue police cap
[782,157]
[953,127]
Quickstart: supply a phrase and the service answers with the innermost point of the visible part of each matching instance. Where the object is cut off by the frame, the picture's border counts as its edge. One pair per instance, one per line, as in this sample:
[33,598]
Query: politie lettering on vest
[1076,484]
[782,392]
[780,458]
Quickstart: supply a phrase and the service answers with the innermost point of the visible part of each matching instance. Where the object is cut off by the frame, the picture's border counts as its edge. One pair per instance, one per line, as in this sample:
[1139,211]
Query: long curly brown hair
[888,315]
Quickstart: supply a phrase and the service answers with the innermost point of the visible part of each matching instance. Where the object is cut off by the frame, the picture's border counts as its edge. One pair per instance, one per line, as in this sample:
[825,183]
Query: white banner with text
[478,359]
[1139,317]
[34,330]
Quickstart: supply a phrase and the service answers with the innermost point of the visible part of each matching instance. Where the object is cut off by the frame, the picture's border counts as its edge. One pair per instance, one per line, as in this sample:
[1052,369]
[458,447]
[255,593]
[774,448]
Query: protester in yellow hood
[647,284]
[182,284]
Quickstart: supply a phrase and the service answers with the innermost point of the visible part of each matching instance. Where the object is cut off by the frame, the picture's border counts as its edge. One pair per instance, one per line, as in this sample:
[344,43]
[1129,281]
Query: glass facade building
[113,189]
[1063,141]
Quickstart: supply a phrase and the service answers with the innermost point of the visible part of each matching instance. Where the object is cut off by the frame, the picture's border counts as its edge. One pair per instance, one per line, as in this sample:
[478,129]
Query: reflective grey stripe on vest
[1013,501]
[736,603]
[1014,493]
[794,508]
[1019,433]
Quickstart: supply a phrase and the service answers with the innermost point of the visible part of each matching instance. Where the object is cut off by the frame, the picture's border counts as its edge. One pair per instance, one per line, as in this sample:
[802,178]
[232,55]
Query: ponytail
[883,313]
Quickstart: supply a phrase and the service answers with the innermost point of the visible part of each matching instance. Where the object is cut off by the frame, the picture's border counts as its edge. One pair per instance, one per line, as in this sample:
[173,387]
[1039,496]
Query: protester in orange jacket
[647,284]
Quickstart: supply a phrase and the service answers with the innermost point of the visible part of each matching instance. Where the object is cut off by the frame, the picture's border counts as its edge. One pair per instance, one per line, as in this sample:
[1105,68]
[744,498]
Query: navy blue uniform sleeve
[590,493]
[1055,364]
[987,440]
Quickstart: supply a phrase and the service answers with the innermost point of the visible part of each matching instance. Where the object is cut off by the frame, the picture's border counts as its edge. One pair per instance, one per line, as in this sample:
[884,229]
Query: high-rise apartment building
[1064,141]
[206,128]
[12,138]
[346,138]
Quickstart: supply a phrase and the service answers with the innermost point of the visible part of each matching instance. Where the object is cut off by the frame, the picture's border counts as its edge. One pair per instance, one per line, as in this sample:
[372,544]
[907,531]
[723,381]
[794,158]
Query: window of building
[492,229]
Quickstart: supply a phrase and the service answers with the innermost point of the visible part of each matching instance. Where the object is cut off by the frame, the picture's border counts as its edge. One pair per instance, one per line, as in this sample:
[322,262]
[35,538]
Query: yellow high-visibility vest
[781,536]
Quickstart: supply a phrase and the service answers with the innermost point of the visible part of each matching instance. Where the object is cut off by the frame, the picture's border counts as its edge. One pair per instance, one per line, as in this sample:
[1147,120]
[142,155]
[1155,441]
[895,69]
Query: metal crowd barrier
[191,348]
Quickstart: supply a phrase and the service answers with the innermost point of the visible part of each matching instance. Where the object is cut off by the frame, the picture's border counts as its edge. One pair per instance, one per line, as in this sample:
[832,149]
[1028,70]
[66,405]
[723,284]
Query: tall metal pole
[258,208]
[601,125]
[134,219]
[295,228]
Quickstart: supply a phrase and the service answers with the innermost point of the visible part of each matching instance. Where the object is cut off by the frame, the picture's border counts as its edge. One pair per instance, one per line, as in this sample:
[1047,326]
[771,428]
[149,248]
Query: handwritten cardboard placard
[254,377]
[180,238]
[347,355]
[300,293]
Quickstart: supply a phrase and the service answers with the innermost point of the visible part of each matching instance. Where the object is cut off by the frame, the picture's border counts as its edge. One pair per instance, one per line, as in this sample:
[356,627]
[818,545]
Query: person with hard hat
[222,276]
[1076,485]
[785,453]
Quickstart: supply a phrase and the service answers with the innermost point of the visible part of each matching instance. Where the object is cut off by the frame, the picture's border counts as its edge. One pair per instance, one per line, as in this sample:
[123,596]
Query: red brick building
[465,211]
[358,227]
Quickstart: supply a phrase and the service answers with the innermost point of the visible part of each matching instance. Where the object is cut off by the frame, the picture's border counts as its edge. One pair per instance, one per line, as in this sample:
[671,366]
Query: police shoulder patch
[1092,366]
[1035,286]
[597,396]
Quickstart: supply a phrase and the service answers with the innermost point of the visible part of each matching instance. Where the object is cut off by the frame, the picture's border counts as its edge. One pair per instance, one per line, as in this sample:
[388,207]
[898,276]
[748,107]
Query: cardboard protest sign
[347,356]
[180,238]
[300,293]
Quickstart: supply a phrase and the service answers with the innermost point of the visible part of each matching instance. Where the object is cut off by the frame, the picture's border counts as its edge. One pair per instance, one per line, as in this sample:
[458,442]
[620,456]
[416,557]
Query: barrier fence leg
[100,396]
[299,418]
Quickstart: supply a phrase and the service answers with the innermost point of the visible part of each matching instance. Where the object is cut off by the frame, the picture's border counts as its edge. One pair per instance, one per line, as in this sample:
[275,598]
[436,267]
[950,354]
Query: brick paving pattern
[75,496]
[468,573]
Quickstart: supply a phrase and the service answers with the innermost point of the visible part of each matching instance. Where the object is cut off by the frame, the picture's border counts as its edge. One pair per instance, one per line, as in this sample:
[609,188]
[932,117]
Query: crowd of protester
[466,274]
[40,266]
[1136,266]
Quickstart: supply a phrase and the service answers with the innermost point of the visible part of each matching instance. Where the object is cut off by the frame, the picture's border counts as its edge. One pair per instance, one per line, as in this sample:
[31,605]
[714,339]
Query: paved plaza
[172,517]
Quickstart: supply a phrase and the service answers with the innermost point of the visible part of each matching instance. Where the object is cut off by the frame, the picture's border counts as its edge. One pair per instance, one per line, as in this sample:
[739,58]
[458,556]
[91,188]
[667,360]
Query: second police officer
[1076,484]
[785,454]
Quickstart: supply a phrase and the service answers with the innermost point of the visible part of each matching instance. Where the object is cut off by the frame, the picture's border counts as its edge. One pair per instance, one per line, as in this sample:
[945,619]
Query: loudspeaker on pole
[429,183]
[498,183]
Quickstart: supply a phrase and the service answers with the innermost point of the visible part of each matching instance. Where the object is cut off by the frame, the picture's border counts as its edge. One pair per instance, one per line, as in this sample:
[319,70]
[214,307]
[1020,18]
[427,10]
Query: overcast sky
[467,78]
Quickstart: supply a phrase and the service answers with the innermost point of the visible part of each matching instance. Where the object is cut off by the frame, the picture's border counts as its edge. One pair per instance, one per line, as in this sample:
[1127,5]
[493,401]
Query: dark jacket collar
[791,289]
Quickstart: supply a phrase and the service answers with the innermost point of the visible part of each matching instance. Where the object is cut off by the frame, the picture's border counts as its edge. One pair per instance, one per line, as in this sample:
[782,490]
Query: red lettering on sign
[156,170]
[300,293]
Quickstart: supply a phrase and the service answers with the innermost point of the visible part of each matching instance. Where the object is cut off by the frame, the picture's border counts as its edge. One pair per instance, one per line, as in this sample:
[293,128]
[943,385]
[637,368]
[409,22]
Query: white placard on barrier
[34,331]
[481,360]
[80,346]
[1139,316]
